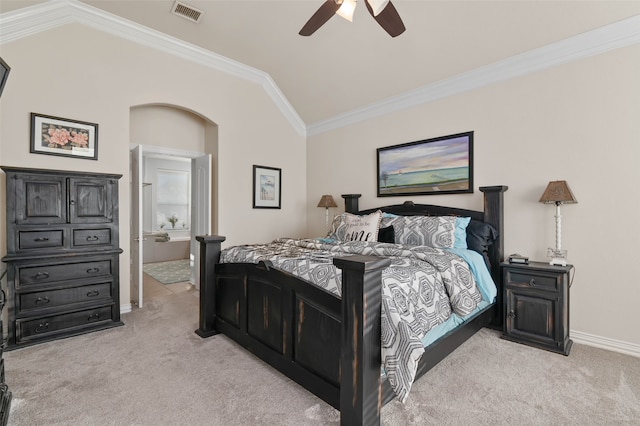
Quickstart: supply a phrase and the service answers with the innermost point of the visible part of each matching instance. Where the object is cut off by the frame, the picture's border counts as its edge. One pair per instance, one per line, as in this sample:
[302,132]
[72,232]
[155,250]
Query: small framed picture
[62,136]
[266,187]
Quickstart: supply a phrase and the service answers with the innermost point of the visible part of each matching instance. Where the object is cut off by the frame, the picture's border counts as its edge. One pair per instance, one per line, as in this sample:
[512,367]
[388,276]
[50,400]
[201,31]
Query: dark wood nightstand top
[540,266]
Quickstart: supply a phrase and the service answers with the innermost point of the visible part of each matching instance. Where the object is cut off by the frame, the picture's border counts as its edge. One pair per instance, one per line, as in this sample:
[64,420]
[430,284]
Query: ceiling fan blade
[322,15]
[388,19]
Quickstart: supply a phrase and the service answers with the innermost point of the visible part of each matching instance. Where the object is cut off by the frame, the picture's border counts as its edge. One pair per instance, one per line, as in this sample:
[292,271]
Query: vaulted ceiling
[348,66]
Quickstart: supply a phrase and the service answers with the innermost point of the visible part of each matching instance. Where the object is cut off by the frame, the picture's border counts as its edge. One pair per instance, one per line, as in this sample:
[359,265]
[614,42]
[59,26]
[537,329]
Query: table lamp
[558,193]
[327,201]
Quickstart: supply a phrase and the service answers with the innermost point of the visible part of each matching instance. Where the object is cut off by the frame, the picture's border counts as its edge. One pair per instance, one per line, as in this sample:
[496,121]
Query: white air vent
[186,11]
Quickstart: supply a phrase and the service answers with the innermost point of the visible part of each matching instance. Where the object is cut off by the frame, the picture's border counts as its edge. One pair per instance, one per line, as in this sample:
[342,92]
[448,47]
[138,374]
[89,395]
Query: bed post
[351,203]
[210,247]
[494,215]
[360,359]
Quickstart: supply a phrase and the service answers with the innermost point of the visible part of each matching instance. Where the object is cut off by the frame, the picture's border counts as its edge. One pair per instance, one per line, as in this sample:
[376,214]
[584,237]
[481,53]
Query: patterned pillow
[433,231]
[351,227]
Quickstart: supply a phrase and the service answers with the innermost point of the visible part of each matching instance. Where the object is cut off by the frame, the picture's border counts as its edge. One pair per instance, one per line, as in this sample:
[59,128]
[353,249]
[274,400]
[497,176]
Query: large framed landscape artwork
[442,165]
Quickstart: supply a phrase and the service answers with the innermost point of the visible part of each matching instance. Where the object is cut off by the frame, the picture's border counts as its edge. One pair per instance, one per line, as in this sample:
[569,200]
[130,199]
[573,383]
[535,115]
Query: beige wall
[577,122]
[77,72]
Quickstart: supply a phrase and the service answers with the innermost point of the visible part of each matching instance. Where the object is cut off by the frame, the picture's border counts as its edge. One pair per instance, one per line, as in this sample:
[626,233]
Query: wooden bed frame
[330,346]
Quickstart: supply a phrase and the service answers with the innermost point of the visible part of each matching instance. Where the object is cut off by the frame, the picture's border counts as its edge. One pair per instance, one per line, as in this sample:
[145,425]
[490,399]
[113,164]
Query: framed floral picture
[62,136]
[266,187]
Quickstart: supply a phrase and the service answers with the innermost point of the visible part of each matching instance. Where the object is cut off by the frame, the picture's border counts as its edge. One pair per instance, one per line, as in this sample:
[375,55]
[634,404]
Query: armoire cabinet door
[91,200]
[40,199]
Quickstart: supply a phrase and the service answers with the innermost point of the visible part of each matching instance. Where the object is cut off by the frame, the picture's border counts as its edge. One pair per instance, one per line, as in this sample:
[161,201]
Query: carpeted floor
[156,371]
[169,272]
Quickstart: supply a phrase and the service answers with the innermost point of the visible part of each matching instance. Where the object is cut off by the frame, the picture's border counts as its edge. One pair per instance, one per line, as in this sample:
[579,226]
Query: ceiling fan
[382,11]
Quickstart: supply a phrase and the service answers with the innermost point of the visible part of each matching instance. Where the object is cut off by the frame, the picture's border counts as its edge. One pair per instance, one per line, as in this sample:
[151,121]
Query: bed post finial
[351,202]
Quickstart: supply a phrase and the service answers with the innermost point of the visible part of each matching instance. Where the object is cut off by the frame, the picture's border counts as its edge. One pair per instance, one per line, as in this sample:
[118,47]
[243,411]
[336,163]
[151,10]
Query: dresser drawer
[530,279]
[50,239]
[91,237]
[43,274]
[33,329]
[30,302]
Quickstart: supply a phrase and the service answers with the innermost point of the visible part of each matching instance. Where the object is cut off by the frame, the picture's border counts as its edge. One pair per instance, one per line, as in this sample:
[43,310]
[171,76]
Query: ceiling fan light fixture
[346,9]
[377,5]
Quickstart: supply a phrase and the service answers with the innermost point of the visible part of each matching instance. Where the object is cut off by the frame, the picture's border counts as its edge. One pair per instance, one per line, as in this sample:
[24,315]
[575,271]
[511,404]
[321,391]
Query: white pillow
[362,228]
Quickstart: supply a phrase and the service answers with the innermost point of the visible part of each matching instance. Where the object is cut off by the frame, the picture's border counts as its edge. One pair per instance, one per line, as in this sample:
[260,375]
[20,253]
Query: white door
[136,226]
[200,210]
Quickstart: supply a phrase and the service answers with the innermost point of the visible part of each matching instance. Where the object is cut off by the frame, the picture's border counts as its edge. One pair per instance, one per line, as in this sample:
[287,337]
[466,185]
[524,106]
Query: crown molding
[55,13]
[610,37]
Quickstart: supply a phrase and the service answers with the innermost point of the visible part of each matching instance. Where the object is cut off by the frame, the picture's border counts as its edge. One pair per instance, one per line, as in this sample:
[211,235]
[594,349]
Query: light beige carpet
[156,371]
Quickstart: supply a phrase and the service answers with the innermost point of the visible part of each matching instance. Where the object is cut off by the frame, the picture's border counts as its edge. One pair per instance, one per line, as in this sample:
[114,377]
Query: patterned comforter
[420,289]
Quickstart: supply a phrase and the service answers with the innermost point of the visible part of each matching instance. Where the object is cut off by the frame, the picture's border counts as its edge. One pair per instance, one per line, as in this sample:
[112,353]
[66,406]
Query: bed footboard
[360,359]
[329,345]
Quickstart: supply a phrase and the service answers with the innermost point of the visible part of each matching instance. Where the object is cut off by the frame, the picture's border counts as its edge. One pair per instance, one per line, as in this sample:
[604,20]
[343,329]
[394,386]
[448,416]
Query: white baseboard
[126,308]
[606,343]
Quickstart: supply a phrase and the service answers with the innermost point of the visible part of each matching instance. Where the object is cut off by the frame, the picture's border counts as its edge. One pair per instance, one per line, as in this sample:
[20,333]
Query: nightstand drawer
[531,279]
[44,274]
[65,296]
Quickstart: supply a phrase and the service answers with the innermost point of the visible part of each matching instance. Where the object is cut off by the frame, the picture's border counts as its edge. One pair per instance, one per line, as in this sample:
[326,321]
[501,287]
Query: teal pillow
[461,232]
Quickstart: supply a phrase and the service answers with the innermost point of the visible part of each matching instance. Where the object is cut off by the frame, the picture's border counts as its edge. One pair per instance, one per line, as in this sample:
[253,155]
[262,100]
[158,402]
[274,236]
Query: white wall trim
[45,16]
[126,308]
[610,37]
[605,343]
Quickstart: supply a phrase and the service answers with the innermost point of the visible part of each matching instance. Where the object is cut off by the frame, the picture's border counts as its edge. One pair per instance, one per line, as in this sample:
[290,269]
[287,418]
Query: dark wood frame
[36,137]
[5,69]
[331,346]
[256,186]
[426,189]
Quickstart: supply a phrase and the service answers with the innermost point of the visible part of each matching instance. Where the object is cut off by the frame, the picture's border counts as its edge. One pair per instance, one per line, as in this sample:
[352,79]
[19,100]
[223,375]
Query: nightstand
[536,305]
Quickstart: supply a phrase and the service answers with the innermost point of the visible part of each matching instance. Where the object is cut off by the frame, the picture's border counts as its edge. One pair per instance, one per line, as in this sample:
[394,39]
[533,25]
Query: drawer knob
[532,282]
[93,238]
[41,239]
[43,326]
[93,293]
[41,275]
[93,317]
[511,314]
[93,270]
[43,300]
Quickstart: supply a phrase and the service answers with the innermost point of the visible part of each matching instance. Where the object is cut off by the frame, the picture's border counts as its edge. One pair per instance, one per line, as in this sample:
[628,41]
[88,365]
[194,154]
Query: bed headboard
[493,214]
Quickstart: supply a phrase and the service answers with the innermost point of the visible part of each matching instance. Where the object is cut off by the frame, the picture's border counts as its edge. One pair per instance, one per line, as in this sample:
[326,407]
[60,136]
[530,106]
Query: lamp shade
[327,201]
[558,192]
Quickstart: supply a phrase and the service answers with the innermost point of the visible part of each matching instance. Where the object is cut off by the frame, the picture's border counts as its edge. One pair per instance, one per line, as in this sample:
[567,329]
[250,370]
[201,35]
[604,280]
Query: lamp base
[558,257]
